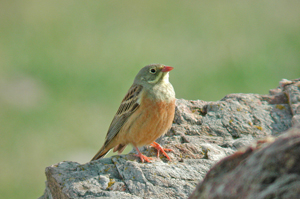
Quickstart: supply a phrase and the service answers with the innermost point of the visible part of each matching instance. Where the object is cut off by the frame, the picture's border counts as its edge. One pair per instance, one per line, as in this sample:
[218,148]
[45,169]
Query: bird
[146,113]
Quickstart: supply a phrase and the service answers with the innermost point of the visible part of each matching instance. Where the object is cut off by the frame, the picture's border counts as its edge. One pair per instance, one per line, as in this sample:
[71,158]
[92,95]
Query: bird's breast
[152,119]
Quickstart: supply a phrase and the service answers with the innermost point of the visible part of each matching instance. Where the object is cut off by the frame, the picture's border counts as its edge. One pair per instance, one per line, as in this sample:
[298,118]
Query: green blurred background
[66,65]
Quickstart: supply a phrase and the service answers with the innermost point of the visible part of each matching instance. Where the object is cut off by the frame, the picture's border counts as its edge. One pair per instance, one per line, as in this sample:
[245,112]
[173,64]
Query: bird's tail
[101,153]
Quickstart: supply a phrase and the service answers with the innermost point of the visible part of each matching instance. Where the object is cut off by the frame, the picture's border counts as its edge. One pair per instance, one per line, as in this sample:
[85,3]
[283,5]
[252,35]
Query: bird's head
[153,74]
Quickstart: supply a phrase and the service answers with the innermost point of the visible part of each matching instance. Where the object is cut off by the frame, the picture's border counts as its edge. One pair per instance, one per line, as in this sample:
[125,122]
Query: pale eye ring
[152,70]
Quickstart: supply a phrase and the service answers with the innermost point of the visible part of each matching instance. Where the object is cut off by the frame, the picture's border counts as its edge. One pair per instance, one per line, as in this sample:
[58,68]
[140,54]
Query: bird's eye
[152,70]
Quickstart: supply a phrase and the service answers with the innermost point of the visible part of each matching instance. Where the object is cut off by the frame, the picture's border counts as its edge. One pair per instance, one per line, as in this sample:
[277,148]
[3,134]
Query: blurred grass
[66,65]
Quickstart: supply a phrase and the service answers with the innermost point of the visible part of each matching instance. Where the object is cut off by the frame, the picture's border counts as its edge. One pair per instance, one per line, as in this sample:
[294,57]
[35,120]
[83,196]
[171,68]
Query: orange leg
[163,150]
[143,157]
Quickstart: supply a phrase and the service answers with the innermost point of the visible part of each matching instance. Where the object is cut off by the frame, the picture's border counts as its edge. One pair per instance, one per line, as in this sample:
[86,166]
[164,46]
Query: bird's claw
[143,157]
[161,149]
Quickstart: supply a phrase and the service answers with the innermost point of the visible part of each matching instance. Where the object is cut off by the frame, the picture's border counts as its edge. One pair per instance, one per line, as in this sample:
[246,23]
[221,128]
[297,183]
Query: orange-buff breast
[150,121]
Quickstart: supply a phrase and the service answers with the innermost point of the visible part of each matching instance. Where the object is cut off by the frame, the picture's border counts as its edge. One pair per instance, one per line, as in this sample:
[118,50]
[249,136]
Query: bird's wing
[128,106]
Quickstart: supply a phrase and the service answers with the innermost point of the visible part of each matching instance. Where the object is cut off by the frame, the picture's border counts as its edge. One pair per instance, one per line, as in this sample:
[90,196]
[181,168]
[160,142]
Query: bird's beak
[167,68]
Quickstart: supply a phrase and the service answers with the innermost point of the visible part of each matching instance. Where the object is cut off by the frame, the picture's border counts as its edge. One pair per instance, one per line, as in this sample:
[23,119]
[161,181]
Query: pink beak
[167,68]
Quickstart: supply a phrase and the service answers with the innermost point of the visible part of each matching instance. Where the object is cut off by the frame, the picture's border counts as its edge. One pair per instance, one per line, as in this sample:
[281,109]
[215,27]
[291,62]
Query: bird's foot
[161,149]
[143,157]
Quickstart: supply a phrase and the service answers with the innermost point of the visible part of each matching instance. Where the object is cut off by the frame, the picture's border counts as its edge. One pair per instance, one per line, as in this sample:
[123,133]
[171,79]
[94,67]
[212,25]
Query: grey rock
[292,90]
[202,134]
[268,170]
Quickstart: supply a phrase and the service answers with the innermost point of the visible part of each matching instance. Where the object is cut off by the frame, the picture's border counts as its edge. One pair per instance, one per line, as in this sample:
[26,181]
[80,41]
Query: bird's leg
[141,156]
[159,148]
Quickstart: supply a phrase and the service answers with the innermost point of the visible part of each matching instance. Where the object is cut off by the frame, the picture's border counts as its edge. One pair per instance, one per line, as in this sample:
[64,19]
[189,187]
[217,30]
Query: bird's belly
[149,122]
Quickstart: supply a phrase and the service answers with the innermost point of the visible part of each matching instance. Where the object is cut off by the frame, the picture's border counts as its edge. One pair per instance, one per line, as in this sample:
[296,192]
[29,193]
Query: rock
[202,134]
[268,170]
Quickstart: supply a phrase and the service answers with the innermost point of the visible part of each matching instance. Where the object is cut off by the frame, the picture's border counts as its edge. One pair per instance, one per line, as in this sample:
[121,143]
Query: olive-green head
[153,74]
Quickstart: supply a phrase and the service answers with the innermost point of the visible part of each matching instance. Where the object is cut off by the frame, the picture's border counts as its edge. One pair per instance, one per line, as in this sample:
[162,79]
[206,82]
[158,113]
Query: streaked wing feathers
[128,106]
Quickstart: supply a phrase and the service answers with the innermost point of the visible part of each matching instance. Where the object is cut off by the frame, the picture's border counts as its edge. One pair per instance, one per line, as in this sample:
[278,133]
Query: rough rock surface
[202,134]
[270,169]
